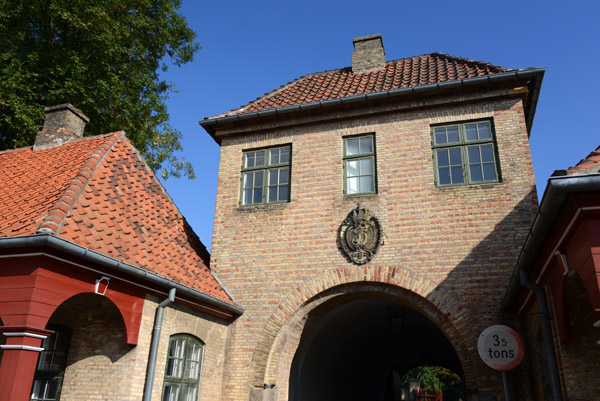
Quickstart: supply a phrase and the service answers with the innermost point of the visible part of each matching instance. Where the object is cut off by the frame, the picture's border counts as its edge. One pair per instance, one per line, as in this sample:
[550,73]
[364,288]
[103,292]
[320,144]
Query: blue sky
[252,47]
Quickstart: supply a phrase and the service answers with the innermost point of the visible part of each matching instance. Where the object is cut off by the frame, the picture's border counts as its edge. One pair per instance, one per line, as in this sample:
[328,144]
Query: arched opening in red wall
[86,353]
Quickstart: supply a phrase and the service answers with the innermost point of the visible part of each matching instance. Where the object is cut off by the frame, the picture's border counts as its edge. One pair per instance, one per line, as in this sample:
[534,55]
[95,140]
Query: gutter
[536,73]
[59,244]
[555,195]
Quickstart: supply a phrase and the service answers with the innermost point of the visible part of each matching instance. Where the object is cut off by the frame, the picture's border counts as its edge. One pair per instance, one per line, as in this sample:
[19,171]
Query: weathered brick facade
[448,252]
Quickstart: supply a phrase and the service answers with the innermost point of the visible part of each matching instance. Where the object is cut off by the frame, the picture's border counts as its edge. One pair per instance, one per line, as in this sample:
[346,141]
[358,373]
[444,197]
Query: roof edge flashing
[209,123]
[63,245]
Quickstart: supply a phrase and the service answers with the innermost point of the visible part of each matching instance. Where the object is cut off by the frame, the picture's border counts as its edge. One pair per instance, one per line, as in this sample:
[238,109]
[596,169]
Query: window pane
[366,145]
[366,184]
[489,172]
[51,389]
[257,198]
[442,156]
[455,157]
[191,371]
[284,175]
[366,166]
[248,179]
[476,173]
[457,175]
[249,159]
[171,393]
[284,155]
[484,130]
[258,179]
[44,361]
[352,185]
[471,132]
[272,194]
[260,159]
[474,155]
[351,147]
[440,136]
[247,196]
[273,177]
[487,154]
[38,390]
[283,192]
[274,156]
[190,394]
[352,167]
[452,134]
[444,176]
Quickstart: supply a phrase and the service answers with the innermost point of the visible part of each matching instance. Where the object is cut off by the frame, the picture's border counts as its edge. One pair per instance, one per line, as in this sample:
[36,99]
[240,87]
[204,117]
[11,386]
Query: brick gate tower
[368,219]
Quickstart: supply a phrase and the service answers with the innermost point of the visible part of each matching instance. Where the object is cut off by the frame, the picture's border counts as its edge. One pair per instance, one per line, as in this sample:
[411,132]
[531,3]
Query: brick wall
[101,366]
[461,241]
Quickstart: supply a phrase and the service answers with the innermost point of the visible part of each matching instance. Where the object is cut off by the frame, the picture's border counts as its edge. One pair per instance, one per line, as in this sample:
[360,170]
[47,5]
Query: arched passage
[272,359]
[353,346]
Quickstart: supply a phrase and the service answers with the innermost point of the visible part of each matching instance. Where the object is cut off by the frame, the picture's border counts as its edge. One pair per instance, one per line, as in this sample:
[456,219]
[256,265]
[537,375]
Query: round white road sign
[500,347]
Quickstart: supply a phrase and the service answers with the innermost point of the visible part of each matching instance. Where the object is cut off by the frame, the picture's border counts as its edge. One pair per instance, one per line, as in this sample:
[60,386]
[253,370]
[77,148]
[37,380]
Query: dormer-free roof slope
[97,192]
[340,83]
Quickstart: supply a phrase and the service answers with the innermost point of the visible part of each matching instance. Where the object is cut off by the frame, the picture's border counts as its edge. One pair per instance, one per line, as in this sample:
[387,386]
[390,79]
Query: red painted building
[88,232]
[555,288]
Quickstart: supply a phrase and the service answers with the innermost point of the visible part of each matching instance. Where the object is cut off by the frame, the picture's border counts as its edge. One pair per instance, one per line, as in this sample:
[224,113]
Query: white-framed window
[266,175]
[464,153]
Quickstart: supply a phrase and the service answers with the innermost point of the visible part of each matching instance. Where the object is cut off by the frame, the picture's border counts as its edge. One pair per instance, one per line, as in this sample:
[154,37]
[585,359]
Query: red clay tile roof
[588,165]
[97,192]
[336,84]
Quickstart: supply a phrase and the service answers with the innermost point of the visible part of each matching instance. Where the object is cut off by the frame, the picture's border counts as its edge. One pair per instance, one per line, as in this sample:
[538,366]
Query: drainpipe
[160,311]
[546,334]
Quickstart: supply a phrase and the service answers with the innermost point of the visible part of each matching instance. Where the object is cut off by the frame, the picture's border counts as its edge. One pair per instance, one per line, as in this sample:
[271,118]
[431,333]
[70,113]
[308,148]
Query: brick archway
[280,336]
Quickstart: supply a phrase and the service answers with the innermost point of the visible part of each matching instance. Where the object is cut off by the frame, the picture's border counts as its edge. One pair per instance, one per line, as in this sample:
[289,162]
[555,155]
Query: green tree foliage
[104,57]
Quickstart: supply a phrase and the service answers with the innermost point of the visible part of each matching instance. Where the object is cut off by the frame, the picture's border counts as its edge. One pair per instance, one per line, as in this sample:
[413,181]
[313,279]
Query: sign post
[501,348]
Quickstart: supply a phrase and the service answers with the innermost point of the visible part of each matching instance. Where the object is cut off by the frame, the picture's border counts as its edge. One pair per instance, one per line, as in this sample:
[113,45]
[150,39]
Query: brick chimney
[63,123]
[368,54]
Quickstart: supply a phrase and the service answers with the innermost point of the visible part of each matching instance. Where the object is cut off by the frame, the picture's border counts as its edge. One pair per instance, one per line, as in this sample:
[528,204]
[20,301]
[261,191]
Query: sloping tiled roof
[398,74]
[97,192]
[588,165]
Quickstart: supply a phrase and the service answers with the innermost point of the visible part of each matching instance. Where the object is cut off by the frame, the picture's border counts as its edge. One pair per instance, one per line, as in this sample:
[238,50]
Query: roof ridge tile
[55,218]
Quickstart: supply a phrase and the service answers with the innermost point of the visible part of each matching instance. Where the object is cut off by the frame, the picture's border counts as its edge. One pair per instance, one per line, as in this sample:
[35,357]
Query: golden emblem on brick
[359,235]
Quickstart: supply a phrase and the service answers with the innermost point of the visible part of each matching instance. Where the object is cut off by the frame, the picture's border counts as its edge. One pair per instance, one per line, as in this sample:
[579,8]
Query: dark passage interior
[352,351]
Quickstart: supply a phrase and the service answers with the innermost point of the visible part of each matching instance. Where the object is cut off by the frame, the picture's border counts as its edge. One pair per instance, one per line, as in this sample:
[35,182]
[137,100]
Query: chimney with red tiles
[63,123]
[368,54]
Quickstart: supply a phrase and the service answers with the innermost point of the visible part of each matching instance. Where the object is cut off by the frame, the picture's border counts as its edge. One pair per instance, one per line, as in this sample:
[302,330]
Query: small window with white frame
[266,175]
[359,165]
[464,153]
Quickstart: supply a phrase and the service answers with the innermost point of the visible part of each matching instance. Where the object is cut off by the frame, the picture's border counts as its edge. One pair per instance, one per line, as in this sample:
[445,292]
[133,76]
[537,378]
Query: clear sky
[252,47]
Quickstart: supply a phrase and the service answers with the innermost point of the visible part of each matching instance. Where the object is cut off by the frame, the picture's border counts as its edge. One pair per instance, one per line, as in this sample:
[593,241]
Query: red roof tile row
[404,73]
[587,165]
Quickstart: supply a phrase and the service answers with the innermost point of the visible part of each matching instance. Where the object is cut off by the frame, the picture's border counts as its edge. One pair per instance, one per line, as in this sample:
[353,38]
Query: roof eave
[210,124]
[555,196]
[89,255]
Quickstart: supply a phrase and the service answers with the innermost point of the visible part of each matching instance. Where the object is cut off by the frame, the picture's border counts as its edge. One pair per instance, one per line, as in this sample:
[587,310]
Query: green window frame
[360,167]
[266,175]
[183,368]
[465,153]
[51,365]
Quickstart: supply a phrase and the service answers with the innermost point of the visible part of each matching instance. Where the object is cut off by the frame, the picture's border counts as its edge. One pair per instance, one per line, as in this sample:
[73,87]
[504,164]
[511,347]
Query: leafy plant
[104,57]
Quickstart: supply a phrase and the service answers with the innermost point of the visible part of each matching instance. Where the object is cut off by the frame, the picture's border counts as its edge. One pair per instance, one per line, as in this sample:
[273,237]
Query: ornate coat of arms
[359,236]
